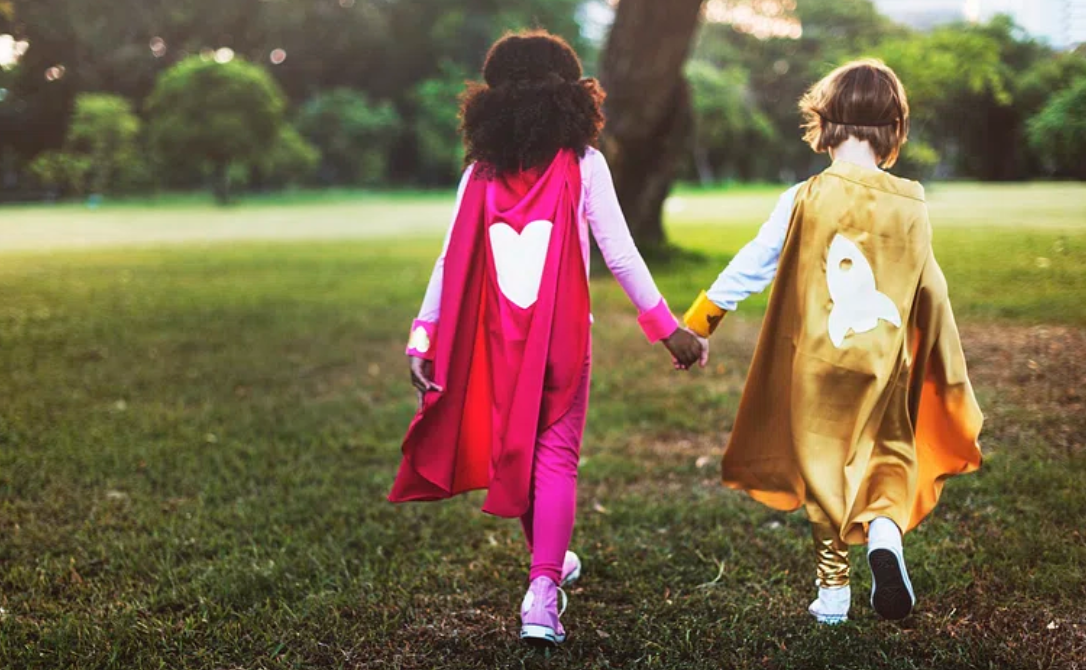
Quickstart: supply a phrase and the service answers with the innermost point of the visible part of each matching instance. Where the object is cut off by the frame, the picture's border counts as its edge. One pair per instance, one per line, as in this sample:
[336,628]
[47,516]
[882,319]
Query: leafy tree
[782,68]
[918,160]
[106,131]
[385,49]
[960,92]
[353,135]
[935,63]
[1058,131]
[973,86]
[1047,76]
[436,124]
[1034,87]
[211,115]
[290,161]
[101,152]
[727,122]
[61,171]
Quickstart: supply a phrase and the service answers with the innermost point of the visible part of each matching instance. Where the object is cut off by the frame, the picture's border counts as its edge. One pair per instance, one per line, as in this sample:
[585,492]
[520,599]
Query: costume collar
[877,179]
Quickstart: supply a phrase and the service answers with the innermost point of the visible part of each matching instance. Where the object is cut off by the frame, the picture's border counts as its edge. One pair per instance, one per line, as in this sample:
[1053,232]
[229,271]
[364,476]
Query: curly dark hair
[532,103]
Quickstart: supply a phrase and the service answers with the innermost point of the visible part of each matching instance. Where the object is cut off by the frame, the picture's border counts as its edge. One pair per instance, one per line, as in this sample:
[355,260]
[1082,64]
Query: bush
[1058,131]
[918,160]
[728,125]
[105,131]
[290,161]
[354,136]
[61,172]
[210,115]
[437,125]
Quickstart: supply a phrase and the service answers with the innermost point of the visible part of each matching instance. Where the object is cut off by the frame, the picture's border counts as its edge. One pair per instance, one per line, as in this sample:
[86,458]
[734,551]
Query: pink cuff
[422,340]
[658,323]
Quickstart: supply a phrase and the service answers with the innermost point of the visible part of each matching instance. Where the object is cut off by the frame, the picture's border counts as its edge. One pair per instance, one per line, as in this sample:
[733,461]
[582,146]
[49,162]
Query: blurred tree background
[122,96]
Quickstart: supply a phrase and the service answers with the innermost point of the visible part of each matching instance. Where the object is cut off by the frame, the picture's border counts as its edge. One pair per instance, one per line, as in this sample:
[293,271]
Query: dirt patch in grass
[1032,380]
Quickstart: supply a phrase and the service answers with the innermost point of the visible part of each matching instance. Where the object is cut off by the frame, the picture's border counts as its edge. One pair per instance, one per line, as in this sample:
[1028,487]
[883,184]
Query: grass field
[196,441]
[354,215]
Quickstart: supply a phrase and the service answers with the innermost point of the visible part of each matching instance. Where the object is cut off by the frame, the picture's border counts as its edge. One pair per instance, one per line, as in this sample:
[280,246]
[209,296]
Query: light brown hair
[862,99]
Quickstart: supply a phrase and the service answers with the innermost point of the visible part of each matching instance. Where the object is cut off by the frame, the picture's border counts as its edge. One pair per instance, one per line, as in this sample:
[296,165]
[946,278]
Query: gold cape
[872,427]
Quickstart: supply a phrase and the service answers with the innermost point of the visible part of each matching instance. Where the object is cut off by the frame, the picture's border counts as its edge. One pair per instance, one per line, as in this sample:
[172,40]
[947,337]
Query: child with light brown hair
[857,406]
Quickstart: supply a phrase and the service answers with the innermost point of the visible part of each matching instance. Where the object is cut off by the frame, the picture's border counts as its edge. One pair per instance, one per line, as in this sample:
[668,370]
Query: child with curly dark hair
[503,387]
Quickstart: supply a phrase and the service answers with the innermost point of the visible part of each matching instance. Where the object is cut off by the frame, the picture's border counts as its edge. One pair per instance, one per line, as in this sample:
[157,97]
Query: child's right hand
[687,348]
[422,376]
[704,342]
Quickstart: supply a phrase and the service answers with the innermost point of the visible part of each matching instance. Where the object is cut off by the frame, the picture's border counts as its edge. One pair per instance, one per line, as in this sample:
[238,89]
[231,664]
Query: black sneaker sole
[540,637]
[539,643]
[892,598]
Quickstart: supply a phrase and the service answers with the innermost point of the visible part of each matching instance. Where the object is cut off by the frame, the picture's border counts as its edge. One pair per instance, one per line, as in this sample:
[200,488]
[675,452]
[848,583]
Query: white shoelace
[565,601]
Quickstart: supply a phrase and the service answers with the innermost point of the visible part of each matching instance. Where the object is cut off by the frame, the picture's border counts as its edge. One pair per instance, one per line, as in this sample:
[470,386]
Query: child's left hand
[422,377]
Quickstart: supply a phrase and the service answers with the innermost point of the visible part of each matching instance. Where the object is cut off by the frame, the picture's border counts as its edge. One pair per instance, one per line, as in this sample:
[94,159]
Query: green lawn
[194,218]
[196,441]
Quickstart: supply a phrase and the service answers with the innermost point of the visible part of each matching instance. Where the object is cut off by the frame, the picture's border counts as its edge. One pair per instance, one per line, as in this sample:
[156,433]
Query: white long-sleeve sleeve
[755,266]
[604,216]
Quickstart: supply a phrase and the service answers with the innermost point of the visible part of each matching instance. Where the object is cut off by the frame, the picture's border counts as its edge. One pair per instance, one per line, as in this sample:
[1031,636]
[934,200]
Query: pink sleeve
[609,227]
[424,327]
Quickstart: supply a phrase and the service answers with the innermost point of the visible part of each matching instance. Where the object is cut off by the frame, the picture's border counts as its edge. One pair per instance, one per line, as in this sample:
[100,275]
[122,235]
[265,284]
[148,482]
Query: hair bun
[551,81]
[533,56]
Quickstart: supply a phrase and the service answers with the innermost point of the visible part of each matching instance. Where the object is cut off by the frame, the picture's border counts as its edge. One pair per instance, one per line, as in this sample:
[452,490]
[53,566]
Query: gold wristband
[703,316]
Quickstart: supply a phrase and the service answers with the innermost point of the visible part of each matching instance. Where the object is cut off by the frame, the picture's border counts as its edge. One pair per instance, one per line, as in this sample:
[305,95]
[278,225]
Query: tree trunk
[649,118]
[221,183]
[704,166]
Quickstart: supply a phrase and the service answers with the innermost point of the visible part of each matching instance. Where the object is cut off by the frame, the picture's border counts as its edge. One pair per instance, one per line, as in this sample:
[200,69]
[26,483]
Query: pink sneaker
[539,624]
[571,569]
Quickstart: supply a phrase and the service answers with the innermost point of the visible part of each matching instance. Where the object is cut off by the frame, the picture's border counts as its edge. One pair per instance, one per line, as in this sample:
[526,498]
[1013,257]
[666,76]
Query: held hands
[687,348]
[422,377]
[700,321]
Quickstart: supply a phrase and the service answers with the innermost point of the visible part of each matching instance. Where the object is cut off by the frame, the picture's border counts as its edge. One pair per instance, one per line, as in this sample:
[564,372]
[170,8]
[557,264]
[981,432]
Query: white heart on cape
[519,259]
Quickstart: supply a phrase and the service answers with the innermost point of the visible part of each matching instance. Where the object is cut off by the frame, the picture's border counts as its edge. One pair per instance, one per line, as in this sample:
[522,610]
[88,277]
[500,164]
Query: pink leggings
[548,523]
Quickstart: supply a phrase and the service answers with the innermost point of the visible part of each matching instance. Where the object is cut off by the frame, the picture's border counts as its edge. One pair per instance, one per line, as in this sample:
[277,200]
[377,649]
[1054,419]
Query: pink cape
[508,372]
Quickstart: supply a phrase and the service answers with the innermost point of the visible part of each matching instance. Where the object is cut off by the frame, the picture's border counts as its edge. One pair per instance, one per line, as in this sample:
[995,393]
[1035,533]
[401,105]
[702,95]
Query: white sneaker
[832,605]
[892,594]
[571,569]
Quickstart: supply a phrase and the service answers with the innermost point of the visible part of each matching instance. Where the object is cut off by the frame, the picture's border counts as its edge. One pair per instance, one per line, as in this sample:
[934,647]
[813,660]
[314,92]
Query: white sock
[882,532]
